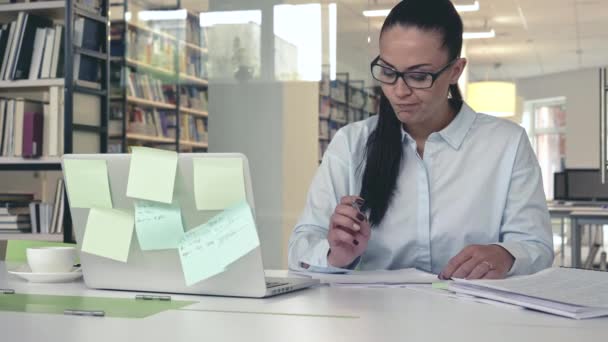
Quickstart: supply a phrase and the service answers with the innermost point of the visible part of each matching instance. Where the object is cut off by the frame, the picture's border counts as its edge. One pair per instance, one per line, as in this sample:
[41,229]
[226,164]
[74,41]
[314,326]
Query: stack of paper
[375,278]
[566,292]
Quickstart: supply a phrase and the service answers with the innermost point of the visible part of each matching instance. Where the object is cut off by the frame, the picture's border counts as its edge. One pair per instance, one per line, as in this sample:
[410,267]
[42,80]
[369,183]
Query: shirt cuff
[521,264]
[316,260]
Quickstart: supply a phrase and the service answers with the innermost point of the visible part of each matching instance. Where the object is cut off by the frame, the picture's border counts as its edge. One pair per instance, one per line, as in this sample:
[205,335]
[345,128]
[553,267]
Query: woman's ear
[457,70]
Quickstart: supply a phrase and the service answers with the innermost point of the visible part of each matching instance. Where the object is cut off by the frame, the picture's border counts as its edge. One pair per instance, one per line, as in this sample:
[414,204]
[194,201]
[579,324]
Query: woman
[446,190]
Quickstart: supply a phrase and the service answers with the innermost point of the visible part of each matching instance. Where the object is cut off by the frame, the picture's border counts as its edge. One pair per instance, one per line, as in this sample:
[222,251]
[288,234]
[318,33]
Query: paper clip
[94,313]
[7,291]
[153,297]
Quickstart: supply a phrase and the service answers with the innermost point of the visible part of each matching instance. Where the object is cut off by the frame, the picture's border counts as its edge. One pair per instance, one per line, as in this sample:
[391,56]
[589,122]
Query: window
[545,122]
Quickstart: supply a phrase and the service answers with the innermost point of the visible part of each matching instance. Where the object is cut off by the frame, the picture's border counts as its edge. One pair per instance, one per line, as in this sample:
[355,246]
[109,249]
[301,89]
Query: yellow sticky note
[218,183]
[87,183]
[211,247]
[152,174]
[108,233]
[158,226]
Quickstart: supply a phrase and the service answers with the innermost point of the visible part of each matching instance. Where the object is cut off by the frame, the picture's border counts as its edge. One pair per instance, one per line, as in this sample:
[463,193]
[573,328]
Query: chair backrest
[15,249]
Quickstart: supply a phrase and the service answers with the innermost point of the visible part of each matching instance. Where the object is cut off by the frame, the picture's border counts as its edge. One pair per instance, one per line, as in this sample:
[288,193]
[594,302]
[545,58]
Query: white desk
[373,315]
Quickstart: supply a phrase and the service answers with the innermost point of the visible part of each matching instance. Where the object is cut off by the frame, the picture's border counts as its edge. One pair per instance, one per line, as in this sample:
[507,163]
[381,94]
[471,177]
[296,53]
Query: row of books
[192,97]
[17,44]
[193,129]
[88,34]
[21,122]
[31,128]
[21,213]
[152,122]
[152,49]
[161,123]
[147,87]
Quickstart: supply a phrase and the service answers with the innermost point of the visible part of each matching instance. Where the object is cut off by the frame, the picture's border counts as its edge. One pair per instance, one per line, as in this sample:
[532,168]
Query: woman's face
[411,49]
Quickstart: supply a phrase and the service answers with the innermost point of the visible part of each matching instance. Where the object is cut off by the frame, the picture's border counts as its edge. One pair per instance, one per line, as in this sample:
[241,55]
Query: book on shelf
[56,223]
[18,54]
[87,35]
[49,46]
[13,112]
[14,212]
[151,122]
[32,134]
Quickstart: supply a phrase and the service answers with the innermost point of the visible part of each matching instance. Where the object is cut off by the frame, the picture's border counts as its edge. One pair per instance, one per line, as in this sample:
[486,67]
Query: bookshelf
[342,101]
[73,42]
[159,83]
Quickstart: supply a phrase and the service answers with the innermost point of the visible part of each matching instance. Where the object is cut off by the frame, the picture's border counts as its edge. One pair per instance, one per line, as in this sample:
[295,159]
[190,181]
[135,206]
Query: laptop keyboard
[271,284]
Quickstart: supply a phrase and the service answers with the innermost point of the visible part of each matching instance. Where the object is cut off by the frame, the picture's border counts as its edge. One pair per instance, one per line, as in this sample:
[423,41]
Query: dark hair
[384,149]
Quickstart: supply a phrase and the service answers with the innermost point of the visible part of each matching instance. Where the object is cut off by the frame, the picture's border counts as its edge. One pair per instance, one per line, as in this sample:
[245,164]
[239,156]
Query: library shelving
[159,83]
[56,62]
[342,101]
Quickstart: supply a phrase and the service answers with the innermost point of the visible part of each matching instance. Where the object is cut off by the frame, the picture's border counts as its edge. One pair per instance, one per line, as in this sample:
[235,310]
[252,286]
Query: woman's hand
[349,232]
[477,262]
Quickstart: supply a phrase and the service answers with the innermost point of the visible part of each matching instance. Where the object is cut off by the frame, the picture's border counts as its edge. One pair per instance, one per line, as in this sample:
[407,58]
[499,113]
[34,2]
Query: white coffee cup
[51,259]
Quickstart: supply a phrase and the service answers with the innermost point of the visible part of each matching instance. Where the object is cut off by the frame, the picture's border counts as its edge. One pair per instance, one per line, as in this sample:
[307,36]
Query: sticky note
[218,183]
[87,183]
[108,233]
[211,247]
[158,225]
[152,174]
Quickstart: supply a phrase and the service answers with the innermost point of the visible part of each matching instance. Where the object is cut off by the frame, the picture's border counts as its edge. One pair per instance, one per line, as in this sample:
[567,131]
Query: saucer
[26,273]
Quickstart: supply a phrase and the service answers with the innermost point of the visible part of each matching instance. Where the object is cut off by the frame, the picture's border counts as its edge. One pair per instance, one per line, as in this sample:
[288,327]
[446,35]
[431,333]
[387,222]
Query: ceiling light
[479,35]
[460,8]
[493,98]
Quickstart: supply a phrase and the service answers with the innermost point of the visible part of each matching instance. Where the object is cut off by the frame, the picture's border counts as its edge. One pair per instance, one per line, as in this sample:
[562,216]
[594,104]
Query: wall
[580,87]
[276,126]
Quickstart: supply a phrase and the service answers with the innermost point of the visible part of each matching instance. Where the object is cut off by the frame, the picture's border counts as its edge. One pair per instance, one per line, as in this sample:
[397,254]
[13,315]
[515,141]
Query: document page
[566,285]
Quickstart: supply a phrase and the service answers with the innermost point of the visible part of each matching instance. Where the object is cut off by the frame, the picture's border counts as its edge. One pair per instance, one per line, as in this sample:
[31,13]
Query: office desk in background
[316,314]
[579,215]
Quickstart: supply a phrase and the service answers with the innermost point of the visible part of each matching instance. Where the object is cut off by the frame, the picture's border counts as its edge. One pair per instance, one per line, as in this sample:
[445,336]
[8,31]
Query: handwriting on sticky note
[108,233]
[152,174]
[87,183]
[218,183]
[211,247]
[158,226]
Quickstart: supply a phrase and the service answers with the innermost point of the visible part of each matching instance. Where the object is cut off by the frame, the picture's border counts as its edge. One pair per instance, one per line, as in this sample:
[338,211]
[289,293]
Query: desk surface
[316,314]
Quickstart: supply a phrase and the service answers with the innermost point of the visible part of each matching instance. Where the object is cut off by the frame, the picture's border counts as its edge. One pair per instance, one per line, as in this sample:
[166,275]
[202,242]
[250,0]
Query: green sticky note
[108,233]
[211,247]
[218,183]
[152,174]
[87,183]
[112,307]
[196,251]
[158,226]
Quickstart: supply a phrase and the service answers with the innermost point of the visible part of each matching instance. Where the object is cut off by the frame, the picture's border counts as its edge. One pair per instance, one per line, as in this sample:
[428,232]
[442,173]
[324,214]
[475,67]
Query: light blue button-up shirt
[478,183]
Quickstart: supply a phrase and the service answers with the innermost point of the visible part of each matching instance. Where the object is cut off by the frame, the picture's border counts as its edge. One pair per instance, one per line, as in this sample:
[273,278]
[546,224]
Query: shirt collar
[456,131]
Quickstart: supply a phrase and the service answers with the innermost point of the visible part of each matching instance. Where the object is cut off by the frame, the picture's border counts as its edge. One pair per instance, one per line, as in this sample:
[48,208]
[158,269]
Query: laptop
[160,270]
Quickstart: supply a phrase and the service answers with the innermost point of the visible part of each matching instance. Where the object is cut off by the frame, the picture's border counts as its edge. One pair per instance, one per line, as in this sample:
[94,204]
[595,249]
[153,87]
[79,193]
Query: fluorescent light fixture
[162,15]
[460,8]
[209,19]
[474,7]
[478,35]
[376,13]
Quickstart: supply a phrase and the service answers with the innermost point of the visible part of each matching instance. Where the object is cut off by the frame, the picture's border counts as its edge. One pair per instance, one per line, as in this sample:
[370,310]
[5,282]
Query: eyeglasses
[413,79]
